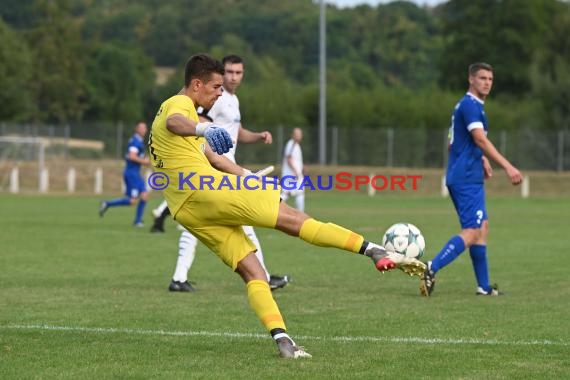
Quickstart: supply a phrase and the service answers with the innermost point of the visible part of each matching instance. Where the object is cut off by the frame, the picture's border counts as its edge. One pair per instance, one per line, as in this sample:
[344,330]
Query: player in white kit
[224,113]
[292,170]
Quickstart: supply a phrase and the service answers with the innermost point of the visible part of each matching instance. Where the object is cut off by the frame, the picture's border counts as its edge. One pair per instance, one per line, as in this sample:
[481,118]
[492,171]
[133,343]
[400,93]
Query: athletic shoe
[277,282]
[179,286]
[428,281]
[493,292]
[157,227]
[289,350]
[138,225]
[102,208]
[385,261]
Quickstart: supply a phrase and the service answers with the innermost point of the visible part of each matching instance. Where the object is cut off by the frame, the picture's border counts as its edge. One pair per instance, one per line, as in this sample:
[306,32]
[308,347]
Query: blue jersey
[136,145]
[465,163]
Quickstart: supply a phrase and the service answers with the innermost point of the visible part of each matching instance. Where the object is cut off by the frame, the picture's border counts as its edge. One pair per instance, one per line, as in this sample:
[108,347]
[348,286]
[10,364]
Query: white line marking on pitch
[429,341]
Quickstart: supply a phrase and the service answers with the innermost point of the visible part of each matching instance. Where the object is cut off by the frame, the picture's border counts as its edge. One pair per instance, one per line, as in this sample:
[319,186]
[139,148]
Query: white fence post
[444,191]
[371,189]
[44,180]
[147,174]
[15,180]
[71,180]
[98,181]
[525,187]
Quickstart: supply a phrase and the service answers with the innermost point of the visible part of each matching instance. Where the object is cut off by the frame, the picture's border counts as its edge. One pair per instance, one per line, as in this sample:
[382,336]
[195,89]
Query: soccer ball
[406,239]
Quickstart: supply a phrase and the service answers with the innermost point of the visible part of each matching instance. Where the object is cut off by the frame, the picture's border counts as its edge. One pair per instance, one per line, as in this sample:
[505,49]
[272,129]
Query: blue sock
[478,255]
[118,202]
[450,251]
[140,211]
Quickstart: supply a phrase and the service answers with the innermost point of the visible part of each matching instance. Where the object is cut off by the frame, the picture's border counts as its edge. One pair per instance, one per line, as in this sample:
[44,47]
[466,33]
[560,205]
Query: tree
[120,79]
[504,33]
[57,79]
[15,76]
[551,72]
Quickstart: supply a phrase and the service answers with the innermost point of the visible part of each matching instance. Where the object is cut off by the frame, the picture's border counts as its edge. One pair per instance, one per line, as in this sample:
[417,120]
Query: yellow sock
[330,235]
[262,302]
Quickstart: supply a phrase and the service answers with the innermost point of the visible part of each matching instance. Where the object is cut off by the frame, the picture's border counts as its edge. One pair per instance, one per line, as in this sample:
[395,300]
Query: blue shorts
[134,184]
[469,202]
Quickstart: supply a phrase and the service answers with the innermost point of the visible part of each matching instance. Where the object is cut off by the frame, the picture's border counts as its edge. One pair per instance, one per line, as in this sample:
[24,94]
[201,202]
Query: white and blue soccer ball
[405,239]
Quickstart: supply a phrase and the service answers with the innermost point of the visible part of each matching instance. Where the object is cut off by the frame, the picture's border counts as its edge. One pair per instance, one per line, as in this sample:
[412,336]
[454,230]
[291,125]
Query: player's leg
[478,254]
[470,210]
[262,302]
[105,205]
[261,207]
[158,223]
[250,233]
[233,247]
[131,194]
[160,209]
[144,196]
[297,223]
[275,281]
[143,199]
[186,254]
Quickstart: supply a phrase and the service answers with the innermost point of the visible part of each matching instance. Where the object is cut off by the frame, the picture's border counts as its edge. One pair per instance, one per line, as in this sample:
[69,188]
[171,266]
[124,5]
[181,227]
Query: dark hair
[474,67]
[201,66]
[232,58]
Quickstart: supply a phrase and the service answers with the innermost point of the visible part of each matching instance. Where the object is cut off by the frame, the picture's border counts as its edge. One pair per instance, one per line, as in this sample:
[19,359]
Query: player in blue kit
[134,182]
[468,167]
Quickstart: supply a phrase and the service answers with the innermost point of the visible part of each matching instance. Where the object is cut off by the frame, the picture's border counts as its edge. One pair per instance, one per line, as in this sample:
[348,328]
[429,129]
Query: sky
[350,3]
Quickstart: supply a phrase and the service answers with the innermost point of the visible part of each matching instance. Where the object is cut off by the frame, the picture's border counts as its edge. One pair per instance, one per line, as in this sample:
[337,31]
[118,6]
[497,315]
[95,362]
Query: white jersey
[225,113]
[292,149]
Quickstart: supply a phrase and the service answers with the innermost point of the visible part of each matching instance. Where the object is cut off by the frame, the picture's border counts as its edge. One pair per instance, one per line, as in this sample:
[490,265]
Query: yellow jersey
[176,156]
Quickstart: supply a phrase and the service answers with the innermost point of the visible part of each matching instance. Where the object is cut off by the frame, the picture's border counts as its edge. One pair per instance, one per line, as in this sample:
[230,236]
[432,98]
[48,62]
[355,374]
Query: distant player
[134,182]
[293,167]
[468,167]
[180,144]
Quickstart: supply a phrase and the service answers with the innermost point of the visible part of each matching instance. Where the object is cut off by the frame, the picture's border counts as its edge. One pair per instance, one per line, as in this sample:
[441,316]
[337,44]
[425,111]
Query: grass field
[84,297]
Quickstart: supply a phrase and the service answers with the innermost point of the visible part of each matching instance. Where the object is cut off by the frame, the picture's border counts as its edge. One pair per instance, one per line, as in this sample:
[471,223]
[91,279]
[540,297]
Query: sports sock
[159,222]
[450,251]
[262,302]
[277,334]
[330,235]
[161,207]
[164,213]
[186,254]
[478,255]
[140,211]
[119,202]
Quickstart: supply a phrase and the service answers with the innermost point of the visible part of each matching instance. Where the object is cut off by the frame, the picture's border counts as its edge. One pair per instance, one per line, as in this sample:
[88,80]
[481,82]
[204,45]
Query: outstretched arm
[246,136]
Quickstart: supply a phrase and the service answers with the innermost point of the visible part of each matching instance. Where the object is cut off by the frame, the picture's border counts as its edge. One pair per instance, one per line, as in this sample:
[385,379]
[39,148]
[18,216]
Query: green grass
[84,297]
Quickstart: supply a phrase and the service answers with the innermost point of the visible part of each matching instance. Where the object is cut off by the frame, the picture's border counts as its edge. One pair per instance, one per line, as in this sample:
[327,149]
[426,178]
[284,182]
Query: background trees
[395,64]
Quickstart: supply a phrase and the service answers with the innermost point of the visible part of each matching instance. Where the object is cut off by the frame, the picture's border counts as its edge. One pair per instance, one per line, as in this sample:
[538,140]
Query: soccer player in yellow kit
[214,205]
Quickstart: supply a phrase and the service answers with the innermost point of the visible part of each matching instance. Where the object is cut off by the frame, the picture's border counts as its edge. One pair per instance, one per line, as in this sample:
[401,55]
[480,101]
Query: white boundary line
[428,341]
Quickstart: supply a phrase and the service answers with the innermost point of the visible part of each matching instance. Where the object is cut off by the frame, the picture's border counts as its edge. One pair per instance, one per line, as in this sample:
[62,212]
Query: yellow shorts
[216,216]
